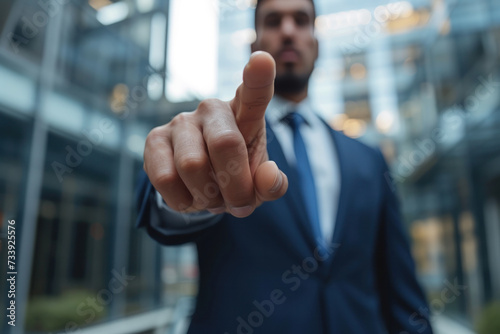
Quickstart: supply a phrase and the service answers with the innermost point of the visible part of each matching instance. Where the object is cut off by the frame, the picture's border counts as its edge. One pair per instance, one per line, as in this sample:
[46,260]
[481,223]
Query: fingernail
[242,211]
[217,211]
[278,182]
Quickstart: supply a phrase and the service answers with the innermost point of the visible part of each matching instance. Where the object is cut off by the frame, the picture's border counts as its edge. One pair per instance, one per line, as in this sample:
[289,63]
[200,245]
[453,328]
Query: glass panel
[74,240]
[13,165]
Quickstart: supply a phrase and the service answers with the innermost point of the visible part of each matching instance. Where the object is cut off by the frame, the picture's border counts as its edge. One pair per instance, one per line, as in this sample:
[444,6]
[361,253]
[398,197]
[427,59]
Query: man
[327,256]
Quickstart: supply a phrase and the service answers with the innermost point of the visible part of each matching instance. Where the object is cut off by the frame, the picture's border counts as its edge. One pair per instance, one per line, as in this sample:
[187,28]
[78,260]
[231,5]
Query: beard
[290,83]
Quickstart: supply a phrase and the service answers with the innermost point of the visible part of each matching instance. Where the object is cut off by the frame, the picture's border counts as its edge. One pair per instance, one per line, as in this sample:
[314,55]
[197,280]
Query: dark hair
[259,2]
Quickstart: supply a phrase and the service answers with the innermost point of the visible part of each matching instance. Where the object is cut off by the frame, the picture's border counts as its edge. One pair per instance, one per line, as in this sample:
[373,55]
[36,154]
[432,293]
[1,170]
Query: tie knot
[295,120]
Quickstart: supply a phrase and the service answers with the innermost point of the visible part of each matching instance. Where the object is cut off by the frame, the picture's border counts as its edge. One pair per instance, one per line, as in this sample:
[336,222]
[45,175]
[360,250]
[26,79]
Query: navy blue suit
[266,274]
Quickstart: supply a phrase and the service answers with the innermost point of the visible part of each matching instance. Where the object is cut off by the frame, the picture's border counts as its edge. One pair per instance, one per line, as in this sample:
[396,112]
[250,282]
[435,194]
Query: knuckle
[180,118]
[155,136]
[209,105]
[165,180]
[192,163]
[227,140]
[156,133]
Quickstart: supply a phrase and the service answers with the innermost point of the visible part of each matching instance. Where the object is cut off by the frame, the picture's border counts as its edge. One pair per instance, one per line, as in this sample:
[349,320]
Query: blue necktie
[304,170]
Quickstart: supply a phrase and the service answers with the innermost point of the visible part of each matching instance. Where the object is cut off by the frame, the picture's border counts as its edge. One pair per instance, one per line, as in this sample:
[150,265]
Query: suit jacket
[266,273]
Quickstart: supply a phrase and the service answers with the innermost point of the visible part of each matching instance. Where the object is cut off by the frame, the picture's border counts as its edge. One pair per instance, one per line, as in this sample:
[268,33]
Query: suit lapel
[347,184]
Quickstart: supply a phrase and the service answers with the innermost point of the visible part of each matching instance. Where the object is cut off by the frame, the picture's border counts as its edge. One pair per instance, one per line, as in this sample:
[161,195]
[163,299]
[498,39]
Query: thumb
[254,94]
[270,182]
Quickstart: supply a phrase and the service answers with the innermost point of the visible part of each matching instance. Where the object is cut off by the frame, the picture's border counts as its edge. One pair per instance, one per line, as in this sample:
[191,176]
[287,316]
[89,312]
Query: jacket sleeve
[404,306]
[165,225]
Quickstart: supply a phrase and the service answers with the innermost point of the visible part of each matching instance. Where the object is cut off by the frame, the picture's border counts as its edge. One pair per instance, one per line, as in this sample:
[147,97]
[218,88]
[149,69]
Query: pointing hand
[215,158]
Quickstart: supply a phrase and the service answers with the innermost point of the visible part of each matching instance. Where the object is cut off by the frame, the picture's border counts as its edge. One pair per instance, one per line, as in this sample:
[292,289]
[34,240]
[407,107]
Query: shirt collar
[279,107]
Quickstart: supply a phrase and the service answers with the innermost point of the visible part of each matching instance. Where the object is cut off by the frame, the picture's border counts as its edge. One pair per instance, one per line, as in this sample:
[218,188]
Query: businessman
[296,226]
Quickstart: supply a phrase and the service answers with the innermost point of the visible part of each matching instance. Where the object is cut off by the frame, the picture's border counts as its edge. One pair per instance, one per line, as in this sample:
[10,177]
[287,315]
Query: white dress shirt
[322,156]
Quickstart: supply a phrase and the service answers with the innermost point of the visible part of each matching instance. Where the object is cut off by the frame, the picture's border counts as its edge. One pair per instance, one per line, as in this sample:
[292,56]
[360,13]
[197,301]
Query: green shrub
[489,320]
[55,313]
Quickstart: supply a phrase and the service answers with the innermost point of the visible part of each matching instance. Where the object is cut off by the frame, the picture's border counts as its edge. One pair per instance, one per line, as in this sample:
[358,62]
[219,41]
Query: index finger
[254,94]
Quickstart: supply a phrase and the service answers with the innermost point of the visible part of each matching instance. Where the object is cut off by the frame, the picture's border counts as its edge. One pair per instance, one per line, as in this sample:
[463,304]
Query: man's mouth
[288,56]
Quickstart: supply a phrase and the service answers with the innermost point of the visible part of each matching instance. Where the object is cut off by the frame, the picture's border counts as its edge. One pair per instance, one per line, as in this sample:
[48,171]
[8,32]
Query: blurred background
[83,82]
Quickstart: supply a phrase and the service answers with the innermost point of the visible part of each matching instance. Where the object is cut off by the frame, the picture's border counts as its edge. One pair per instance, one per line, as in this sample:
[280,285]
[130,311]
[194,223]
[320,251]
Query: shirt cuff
[172,222]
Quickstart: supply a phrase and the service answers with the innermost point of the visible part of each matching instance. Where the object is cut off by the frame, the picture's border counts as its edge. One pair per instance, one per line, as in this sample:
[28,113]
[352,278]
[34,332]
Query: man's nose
[288,26]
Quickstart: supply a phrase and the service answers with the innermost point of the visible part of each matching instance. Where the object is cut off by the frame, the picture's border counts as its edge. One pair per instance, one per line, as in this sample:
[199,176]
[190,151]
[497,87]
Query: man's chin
[287,68]
[290,83]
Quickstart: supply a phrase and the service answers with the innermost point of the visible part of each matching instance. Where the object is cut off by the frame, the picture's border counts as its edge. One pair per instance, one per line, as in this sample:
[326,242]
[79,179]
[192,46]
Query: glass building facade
[79,94]
[83,82]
